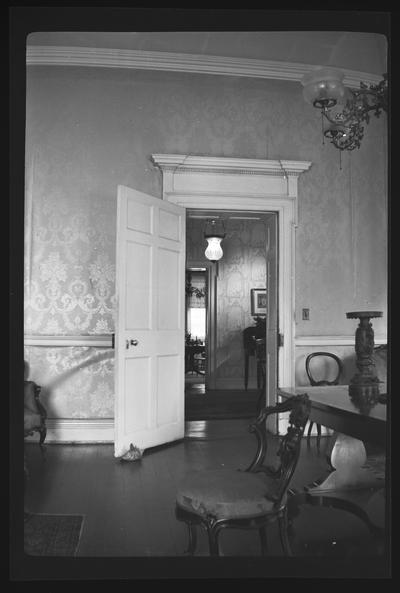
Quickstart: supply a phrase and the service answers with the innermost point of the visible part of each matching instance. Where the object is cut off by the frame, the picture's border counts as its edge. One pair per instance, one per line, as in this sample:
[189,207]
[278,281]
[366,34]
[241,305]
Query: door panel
[138,285]
[140,217]
[168,371]
[168,302]
[149,354]
[136,408]
[169,225]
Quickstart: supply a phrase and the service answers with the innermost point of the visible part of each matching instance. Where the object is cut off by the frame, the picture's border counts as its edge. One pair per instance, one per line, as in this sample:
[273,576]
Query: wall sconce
[214,232]
[343,110]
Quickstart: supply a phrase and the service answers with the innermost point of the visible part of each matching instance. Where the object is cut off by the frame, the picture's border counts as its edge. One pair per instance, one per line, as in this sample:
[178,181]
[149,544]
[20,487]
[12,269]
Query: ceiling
[362,52]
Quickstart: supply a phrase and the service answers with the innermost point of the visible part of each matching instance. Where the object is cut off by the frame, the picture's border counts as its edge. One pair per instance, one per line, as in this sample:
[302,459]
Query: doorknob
[134,342]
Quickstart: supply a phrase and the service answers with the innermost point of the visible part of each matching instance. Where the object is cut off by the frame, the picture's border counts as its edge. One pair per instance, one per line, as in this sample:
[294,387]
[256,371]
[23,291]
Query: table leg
[347,457]
[246,369]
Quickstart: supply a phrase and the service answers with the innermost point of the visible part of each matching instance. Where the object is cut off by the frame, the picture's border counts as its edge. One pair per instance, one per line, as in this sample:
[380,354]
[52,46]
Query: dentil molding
[180,163]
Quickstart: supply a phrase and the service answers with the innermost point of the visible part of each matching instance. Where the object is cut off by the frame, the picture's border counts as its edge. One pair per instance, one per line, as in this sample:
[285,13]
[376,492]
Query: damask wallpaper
[77,382]
[70,272]
[90,129]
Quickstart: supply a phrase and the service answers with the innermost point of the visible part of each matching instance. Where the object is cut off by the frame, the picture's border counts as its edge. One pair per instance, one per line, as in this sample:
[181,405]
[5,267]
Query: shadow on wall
[52,384]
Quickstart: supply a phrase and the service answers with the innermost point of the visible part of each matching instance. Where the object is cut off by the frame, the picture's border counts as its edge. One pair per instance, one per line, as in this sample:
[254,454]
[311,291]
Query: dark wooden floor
[129,507]
[202,404]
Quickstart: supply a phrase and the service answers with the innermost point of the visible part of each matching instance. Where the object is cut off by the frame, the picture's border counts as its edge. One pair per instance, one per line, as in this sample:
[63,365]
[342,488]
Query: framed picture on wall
[258,298]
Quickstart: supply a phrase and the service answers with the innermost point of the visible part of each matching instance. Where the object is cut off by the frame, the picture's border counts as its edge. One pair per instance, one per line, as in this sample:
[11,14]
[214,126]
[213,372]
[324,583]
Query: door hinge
[112,340]
[280,340]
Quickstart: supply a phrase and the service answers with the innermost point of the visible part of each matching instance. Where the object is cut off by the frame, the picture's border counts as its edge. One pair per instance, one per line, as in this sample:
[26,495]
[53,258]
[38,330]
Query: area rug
[52,535]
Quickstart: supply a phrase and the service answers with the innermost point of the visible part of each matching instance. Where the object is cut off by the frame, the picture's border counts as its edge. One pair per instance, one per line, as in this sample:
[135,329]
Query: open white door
[272,313]
[150,323]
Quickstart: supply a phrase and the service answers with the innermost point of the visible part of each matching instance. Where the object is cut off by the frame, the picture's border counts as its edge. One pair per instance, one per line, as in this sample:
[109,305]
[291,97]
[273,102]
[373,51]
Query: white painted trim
[333,340]
[184,163]
[98,341]
[50,55]
[216,188]
[61,430]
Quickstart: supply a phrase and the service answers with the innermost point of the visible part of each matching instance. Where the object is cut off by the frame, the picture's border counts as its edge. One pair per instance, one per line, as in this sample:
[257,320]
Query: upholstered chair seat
[227,494]
[224,498]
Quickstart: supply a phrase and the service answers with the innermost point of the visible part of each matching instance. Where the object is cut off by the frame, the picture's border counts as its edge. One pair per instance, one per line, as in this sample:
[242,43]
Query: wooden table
[190,362]
[333,408]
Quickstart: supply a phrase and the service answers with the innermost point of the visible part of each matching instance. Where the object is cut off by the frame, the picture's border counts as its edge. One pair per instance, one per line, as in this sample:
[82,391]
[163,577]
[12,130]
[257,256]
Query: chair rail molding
[51,55]
[218,183]
[93,340]
[333,340]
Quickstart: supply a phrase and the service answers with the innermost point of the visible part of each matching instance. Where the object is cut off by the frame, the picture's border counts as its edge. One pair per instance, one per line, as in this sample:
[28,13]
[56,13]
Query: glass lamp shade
[323,88]
[214,250]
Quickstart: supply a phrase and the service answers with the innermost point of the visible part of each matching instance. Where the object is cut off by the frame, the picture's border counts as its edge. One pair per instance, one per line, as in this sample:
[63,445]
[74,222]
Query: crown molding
[50,55]
[181,163]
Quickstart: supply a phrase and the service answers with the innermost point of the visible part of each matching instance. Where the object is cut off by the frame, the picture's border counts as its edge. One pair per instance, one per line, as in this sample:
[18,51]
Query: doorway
[222,376]
[215,183]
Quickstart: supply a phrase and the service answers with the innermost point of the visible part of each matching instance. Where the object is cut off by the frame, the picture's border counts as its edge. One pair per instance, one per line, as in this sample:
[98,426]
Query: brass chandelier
[344,111]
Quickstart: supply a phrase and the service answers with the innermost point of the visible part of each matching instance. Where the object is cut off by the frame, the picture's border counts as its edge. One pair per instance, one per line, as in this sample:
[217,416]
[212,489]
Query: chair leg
[310,429]
[42,433]
[213,541]
[318,435]
[283,532]
[192,539]
[263,540]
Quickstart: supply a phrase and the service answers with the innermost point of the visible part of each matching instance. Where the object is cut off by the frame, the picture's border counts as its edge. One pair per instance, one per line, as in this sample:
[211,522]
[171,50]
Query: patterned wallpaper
[70,274]
[77,382]
[88,130]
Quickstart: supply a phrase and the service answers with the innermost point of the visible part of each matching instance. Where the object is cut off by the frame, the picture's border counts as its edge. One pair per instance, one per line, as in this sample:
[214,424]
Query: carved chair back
[312,380]
[288,450]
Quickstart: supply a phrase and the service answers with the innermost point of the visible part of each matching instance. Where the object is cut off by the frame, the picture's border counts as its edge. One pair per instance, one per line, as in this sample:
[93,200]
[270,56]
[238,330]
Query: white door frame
[219,183]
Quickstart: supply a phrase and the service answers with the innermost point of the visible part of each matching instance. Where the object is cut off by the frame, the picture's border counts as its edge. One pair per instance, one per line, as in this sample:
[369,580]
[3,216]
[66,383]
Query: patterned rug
[52,535]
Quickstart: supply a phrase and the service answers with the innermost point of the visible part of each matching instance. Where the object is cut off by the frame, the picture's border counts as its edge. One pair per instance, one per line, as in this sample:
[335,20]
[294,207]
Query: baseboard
[78,431]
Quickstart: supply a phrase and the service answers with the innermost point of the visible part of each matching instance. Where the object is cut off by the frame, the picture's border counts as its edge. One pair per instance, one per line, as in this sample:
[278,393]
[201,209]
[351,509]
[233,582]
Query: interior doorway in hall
[224,301]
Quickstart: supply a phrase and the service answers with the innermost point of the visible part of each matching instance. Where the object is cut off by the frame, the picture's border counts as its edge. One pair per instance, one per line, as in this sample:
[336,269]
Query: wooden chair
[314,382]
[250,499]
[34,418]
[34,412]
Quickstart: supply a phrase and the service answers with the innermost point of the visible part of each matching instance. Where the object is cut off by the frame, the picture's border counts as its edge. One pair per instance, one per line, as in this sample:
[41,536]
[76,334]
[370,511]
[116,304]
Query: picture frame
[258,300]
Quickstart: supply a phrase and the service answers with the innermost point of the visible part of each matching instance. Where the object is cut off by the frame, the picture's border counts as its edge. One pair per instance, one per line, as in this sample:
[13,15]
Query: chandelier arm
[346,110]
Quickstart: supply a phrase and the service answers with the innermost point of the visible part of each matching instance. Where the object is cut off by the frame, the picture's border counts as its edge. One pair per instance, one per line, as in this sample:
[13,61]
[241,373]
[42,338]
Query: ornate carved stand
[348,455]
[364,386]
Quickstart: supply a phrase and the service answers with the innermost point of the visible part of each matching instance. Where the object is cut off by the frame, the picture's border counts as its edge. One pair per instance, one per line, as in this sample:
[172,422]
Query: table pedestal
[348,456]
